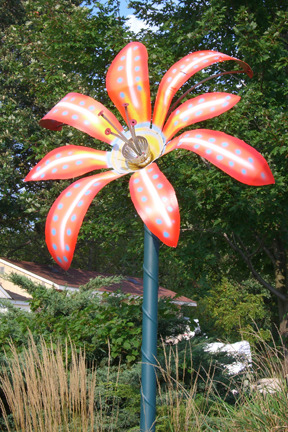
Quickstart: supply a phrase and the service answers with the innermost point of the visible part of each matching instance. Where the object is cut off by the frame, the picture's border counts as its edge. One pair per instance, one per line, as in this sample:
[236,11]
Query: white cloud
[136,25]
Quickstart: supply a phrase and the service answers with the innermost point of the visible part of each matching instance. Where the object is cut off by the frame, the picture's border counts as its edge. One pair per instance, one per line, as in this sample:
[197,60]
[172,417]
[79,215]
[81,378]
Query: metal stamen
[135,139]
[198,84]
[101,113]
[131,128]
[136,150]
[127,115]
[109,132]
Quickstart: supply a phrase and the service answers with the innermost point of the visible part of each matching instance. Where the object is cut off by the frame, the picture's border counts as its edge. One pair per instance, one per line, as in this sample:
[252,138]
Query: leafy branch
[247,257]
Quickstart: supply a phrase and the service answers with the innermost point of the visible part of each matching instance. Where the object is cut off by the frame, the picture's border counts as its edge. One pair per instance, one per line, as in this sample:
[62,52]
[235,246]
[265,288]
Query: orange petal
[67,213]
[228,153]
[68,162]
[200,108]
[155,201]
[127,81]
[81,112]
[180,72]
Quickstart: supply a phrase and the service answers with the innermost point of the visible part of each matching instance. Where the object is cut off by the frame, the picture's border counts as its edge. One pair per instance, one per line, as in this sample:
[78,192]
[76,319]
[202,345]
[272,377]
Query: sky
[134,23]
[124,8]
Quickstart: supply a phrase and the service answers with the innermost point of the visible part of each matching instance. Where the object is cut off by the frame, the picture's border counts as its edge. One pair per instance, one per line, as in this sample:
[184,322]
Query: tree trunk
[281,282]
[91,256]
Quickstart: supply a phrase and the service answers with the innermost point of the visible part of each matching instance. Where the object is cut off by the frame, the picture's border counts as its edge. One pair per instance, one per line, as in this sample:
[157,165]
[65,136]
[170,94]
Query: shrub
[90,320]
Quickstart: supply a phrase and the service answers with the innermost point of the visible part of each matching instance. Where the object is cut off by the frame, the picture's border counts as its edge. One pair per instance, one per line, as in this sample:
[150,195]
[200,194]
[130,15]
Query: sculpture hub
[137,152]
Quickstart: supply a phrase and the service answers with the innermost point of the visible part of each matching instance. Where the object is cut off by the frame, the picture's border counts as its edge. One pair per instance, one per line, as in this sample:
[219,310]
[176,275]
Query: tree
[229,228]
[47,49]
[235,312]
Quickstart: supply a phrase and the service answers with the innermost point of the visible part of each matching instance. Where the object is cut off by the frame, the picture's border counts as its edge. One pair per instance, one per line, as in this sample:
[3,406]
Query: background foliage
[50,48]
[102,325]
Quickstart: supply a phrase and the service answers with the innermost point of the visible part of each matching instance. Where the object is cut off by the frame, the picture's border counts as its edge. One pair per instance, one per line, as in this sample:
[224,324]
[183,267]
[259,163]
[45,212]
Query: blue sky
[133,23]
[124,8]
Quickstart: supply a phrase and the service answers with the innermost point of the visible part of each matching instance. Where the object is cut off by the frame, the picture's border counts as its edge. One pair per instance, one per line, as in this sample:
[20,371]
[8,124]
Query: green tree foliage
[55,48]
[234,311]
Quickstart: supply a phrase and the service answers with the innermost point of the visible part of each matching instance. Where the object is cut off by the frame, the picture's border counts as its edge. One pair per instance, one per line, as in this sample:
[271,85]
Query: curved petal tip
[155,201]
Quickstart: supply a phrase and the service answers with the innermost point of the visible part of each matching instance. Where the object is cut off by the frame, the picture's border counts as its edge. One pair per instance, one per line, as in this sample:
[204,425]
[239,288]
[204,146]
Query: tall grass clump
[188,390]
[262,403]
[46,392]
[176,401]
[53,389]
[254,400]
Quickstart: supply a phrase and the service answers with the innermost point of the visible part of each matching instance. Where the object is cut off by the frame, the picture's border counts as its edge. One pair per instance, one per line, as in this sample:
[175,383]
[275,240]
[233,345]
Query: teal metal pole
[149,332]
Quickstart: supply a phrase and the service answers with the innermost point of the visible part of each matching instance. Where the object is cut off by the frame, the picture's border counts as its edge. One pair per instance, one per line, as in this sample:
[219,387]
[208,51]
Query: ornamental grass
[47,393]
[53,389]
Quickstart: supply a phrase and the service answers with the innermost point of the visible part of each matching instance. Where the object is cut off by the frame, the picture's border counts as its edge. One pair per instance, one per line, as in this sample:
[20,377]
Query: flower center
[132,154]
[137,152]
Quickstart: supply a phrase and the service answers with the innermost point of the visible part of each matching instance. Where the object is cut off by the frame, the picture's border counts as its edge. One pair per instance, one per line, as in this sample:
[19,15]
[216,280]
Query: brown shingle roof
[75,277]
[17,297]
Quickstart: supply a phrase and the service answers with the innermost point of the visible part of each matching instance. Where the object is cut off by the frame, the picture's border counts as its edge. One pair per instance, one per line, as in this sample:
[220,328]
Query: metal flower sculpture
[136,149]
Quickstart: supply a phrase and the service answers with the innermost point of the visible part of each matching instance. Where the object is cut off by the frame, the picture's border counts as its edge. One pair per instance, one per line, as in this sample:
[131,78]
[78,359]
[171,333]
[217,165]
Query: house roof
[75,277]
[7,294]
[16,296]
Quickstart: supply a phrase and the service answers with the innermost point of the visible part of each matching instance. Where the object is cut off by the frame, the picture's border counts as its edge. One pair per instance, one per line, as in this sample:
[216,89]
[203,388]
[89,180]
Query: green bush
[232,311]
[104,325]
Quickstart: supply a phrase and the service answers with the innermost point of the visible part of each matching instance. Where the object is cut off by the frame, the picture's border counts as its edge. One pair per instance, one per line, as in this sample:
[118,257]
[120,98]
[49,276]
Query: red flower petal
[81,112]
[68,162]
[228,153]
[67,213]
[127,81]
[200,108]
[155,201]
[180,72]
